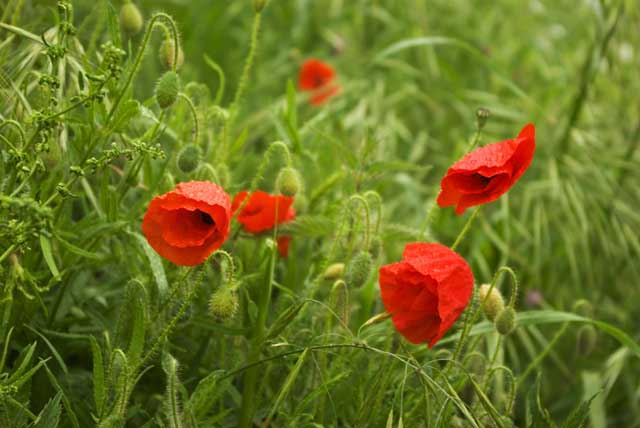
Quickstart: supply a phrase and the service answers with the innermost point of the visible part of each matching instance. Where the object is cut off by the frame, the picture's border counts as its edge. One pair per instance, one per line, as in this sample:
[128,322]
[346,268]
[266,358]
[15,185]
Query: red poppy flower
[188,223]
[259,213]
[318,77]
[426,292]
[487,173]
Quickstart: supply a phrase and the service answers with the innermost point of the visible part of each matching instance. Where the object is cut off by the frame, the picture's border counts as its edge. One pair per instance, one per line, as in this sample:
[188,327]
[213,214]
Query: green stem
[466,228]
[367,218]
[244,79]
[194,114]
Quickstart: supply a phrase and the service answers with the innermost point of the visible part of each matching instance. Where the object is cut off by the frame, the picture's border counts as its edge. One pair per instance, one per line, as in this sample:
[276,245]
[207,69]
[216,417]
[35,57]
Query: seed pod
[333,271]
[167,89]
[358,269]
[493,303]
[167,54]
[223,304]
[586,340]
[339,300]
[506,321]
[130,19]
[189,158]
[288,181]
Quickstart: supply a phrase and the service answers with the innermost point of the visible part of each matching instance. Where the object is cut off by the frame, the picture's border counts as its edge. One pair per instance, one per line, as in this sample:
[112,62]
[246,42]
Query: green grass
[97,330]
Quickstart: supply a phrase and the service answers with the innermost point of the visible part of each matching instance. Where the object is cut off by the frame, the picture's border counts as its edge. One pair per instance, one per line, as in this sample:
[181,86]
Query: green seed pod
[375,247]
[289,182]
[586,340]
[167,54]
[494,303]
[258,5]
[223,304]
[167,89]
[482,116]
[358,269]
[584,308]
[333,271]
[339,300]
[189,158]
[506,321]
[130,19]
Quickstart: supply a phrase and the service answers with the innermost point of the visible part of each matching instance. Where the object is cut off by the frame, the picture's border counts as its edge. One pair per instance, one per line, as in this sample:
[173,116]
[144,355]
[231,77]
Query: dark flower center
[206,218]
[481,179]
[319,80]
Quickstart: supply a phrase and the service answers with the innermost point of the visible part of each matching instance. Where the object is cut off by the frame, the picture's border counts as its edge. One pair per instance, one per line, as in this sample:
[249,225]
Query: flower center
[206,218]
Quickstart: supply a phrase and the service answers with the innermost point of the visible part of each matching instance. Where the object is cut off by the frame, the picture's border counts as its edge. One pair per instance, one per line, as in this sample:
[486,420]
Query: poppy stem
[194,114]
[367,218]
[466,228]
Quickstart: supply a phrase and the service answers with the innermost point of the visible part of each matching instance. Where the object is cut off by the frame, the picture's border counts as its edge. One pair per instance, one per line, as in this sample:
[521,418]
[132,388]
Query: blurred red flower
[426,292]
[318,77]
[488,172]
[188,223]
[259,214]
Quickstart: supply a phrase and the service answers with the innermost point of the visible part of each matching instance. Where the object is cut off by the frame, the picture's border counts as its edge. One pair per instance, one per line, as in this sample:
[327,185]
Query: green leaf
[45,245]
[55,353]
[155,263]
[49,417]
[99,388]
[288,384]
[171,401]
[206,393]
[284,320]
[138,307]
[77,250]
[595,408]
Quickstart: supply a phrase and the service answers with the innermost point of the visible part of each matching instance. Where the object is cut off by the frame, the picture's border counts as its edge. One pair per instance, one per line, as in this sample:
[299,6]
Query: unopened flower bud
[167,89]
[333,271]
[584,308]
[506,321]
[586,340]
[288,181]
[167,54]
[358,269]
[339,300]
[258,5]
[492,302]
[189,158]
[223,304]
[375,247]
[130,19]
[482,116]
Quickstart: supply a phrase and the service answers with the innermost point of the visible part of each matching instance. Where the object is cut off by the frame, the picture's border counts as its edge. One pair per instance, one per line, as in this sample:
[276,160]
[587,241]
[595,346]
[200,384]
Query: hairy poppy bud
[333,271]
[167,89]
[506,321]
[189,158]
[584,308]
[167,54]
[482,116]
[288,181]
[375,247]
[586,340]
[258,5]
[223,304]
[358,269]
[130,19]
[493,302]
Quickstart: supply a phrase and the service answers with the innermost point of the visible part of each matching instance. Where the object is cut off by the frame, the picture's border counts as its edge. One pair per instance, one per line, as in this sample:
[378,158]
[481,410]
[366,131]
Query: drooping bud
[333,271]
[586,340]
[375,247]
[258,5]
[339,300]
[223,304]
[584,308]
[130,19]
[482,116]
[358,269]
[189,158]
[493,301]
[167,54]
[506,321]
[167,89]
[288,181]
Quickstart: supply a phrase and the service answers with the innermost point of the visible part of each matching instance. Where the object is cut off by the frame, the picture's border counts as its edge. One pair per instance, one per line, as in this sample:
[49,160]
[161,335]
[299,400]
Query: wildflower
[487,173]
[262,212]
[188,223]
[318,77]
[427,291]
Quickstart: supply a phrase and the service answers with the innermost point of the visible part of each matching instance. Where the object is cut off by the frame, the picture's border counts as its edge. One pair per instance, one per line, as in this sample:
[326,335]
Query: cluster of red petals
[188,223]
[426,292]
[487,173]
[262,212]
[318,77]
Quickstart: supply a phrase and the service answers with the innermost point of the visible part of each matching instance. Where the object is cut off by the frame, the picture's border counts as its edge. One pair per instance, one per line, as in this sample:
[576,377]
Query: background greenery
[413,74]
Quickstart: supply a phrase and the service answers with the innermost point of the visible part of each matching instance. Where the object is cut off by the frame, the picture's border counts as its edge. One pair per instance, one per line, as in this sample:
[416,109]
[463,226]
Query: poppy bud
[584,308]
[493,302]
[482,116]
[130,19]
[586,340]
[358,269]
[333,271]
[506,321]
[375,247]
[339,300]
[258,5]
[223,304]
[288,182]
[189,158]
[167,54]
[167,89]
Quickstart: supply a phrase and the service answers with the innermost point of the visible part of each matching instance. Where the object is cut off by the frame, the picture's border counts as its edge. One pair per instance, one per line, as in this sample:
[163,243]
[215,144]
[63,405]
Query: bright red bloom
[318,77]
[487,173]
[427,291]
[188,223]
[259,213]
